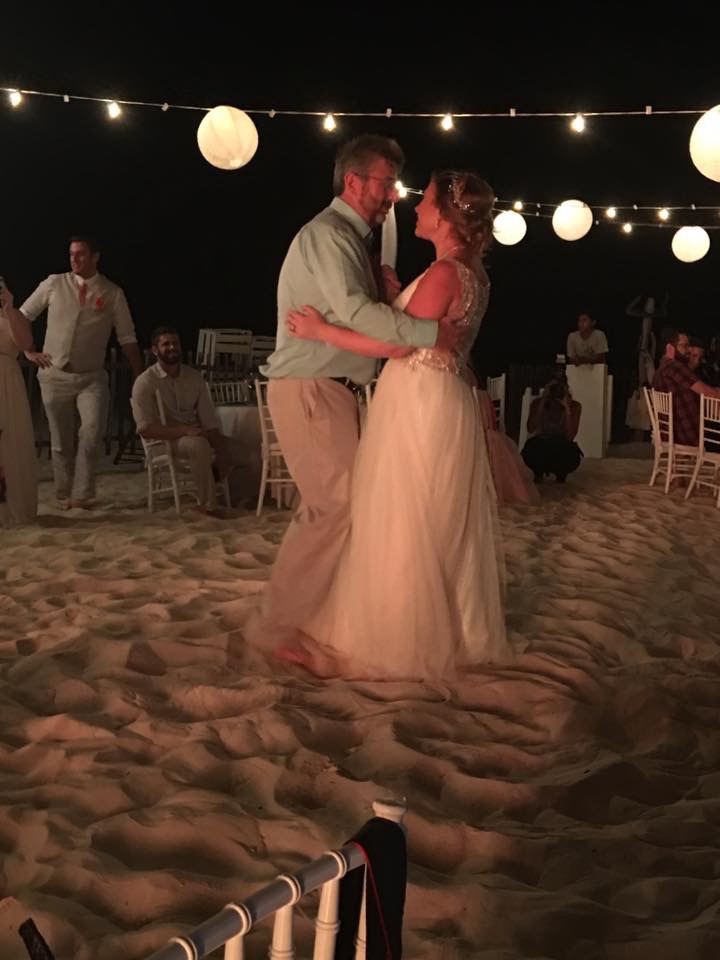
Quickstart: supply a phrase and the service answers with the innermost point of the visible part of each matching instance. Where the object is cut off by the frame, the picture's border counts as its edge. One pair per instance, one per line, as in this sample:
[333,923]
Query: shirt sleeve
[602,344]
[144,405]
[206,409]
[338,267]
[38,300]
[122,321]
[570,350]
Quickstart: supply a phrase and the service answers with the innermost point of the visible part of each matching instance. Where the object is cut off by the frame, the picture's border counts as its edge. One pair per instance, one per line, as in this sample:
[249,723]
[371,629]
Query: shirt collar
[352,216]
[91,281]
[159,372]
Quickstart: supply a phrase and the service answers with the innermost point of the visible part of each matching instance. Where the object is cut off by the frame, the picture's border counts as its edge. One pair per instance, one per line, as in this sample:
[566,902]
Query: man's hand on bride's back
[448,337]
[306,323]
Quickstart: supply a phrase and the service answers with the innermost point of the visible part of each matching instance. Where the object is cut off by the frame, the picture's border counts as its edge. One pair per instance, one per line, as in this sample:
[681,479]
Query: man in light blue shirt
[313,408]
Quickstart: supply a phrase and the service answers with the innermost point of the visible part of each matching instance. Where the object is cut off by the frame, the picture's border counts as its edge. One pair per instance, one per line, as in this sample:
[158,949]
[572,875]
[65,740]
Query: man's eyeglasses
[390,185]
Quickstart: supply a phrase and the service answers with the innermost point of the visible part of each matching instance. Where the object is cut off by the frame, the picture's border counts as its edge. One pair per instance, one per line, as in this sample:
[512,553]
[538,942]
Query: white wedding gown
[418,591]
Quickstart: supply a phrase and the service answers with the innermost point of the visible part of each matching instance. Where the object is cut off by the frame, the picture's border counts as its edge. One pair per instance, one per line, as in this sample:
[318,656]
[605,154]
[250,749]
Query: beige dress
[18,461]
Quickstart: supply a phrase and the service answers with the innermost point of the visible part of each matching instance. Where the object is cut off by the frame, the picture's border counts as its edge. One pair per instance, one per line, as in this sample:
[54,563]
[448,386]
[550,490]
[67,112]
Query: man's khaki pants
[316,422]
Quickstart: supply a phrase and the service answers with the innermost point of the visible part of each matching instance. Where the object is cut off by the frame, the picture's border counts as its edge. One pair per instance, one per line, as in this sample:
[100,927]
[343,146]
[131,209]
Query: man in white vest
[83,309]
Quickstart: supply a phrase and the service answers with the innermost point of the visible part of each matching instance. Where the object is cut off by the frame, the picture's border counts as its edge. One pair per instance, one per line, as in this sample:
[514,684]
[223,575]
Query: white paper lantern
[705,144]
[509,227]
[227,138]
[690,244]
[572,220]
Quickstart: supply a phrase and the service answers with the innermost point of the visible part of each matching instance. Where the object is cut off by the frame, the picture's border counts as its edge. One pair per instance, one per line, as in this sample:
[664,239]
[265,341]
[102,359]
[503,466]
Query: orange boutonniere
[99,303]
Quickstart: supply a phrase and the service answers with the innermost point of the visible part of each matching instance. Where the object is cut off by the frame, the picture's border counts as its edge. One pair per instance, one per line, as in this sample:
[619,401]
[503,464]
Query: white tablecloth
[241,424]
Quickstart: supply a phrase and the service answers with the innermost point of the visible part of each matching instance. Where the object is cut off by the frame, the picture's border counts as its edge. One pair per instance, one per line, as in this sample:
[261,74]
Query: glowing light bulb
[627,228]
[578,123]
[114,110]
[518,205]
[401,189]
[664,214]
[329,123]
[611,213]
[447,122]
[15,98]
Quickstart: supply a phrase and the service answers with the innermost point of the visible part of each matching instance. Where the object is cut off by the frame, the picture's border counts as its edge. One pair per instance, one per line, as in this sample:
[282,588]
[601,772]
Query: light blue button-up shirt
[328,266]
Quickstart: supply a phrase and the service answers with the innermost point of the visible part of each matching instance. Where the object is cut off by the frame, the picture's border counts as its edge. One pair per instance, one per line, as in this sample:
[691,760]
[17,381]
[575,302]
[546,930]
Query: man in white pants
[83,309]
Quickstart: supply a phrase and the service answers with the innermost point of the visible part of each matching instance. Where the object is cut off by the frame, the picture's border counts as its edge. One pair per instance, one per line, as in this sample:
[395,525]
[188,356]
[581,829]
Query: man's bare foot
[318,665]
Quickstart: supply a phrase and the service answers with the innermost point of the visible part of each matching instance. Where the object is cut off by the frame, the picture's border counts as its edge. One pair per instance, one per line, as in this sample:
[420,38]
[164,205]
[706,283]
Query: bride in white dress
[18,462]
[418,592]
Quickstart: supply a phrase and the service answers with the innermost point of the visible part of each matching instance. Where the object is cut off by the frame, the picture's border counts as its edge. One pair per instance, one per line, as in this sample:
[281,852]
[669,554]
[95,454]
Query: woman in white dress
[418,591]
[18,462]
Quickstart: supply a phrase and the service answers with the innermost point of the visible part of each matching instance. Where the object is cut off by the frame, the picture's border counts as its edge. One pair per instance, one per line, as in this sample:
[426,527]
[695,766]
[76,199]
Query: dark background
[195,246]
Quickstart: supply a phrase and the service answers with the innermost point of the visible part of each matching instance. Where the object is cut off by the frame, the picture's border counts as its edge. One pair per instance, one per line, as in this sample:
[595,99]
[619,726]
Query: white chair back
[663,416]
[496,392]
[261,349]
[223,351]
[672,459]
[710,423]
[229,391]
[707,462]
[234,924]
[275,473]
[528,397]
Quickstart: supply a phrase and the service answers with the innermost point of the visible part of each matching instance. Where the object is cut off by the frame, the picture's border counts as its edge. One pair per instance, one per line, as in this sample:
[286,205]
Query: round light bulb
[15,98]
[401,189]
[447,122]
[611,213]
[329,123]
[627,228]
[518,205]
[578,123]
[664,214]
[114,110]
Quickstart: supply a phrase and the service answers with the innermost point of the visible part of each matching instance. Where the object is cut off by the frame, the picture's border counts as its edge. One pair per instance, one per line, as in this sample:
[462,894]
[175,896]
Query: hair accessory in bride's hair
[456,187]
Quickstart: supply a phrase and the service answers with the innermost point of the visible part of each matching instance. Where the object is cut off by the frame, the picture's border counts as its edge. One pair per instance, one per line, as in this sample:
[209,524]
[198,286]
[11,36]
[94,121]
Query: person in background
[18,462]
[83,308]
[587,344]
[191,424]
[553,424]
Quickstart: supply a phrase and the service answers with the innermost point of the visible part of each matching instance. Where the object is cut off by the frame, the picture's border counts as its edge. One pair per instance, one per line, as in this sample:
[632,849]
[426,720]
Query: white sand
[567,806]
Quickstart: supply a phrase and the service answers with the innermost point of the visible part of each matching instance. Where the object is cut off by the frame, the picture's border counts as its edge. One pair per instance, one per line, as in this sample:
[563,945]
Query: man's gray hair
[356,156]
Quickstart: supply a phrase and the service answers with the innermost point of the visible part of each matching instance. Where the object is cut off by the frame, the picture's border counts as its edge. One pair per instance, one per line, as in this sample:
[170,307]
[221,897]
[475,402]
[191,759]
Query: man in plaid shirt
[677,378]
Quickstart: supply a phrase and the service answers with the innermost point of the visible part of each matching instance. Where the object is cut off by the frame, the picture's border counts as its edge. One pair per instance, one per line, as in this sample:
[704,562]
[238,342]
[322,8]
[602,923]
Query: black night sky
[196,247]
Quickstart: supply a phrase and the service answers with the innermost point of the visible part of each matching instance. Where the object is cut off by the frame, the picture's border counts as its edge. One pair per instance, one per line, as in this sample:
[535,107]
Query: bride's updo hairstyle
[466,201]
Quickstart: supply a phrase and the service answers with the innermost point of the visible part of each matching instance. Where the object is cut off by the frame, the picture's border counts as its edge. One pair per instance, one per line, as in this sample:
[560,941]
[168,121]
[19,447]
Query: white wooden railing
[235,921]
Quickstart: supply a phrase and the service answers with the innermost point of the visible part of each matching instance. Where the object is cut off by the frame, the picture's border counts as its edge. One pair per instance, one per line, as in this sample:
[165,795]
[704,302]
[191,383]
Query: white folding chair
[672,459]
[275,473]
[226,351]
[370,391]
[160,458]
[260,350]
[707,465]
[496,392]
[527,400]
[228,391]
